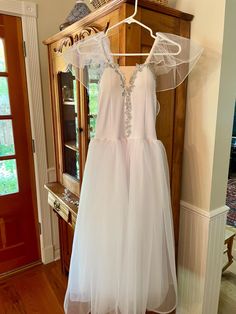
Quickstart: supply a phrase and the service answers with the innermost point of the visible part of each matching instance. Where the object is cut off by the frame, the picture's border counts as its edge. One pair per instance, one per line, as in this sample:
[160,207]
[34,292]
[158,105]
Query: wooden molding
[108,8]
[204,212]
[29,25]
[70,40]
[20,8]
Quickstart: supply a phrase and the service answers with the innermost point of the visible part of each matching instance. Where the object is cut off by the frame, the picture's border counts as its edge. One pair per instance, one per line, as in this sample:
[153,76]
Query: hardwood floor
[227,304]
[40,289]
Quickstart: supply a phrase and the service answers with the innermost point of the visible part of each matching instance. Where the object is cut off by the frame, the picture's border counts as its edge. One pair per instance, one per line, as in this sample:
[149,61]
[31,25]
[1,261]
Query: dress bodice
[127,108]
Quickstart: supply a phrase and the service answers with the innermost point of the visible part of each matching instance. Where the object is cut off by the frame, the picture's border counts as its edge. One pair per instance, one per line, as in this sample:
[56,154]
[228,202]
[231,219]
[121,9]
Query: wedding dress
[123,258]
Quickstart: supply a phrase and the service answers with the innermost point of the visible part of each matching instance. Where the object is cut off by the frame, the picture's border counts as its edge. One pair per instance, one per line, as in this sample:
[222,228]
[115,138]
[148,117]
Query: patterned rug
[231,202]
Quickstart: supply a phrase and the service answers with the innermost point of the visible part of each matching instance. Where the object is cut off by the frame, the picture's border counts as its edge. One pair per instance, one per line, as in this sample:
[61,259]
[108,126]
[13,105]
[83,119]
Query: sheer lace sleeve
[88,54]
[171,70]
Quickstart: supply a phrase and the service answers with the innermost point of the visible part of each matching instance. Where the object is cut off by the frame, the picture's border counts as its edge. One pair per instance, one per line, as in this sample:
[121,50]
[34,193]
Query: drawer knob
[56,205]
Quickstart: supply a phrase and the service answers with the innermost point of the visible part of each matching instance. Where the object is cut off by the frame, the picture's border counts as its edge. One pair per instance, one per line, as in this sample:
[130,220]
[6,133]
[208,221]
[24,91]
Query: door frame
[27,11]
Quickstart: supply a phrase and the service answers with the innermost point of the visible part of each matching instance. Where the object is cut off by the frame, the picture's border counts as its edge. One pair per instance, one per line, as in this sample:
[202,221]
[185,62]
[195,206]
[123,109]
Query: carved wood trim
[110,7]
[85,32]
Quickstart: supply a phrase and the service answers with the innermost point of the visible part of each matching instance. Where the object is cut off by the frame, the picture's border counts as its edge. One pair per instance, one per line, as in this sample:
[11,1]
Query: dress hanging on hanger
[123,259]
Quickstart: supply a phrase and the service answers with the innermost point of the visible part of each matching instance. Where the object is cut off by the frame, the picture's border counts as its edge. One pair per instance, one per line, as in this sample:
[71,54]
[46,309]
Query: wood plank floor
[227,304]
[40,289]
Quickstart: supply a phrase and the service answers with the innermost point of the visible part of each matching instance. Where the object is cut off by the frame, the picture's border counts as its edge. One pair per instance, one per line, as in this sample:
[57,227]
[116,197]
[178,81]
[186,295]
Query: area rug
[231,202]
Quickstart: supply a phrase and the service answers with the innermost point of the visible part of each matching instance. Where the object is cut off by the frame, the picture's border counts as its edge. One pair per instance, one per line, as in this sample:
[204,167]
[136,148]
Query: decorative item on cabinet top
[63,202]
[98,3]
[79,11]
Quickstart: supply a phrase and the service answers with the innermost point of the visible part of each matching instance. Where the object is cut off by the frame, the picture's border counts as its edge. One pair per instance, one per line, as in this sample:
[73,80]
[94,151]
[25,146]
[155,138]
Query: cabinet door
[66,123]
[69,121]
[89,102]
[66,241]
[171,118]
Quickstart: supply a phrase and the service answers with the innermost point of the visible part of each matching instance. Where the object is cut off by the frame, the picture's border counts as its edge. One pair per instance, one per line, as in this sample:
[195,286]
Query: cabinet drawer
[65,208]
[58,207]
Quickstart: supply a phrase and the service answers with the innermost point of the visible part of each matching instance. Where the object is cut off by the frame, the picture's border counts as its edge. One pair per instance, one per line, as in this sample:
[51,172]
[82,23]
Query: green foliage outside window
[8,177]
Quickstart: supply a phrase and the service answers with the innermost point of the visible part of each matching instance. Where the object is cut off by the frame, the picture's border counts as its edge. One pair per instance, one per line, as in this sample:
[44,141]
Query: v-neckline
[138,67]
[127,86]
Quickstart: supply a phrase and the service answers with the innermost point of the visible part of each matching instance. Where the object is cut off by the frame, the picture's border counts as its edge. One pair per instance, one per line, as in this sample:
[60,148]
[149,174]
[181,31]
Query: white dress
[123,258]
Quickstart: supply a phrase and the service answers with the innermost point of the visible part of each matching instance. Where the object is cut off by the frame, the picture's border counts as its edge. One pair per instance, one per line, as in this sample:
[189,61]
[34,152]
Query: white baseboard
[56,254]
[47,254]
[50,254]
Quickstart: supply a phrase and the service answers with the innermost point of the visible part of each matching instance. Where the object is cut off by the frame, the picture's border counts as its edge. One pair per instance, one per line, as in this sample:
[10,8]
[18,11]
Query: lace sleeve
[89,55]
[171,70]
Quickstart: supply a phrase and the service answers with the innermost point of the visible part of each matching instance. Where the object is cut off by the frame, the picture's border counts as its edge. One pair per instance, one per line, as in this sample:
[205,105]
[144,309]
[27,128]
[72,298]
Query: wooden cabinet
[74,110]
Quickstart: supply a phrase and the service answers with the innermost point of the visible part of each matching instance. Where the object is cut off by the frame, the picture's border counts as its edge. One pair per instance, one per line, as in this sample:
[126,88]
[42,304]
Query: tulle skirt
[123,259]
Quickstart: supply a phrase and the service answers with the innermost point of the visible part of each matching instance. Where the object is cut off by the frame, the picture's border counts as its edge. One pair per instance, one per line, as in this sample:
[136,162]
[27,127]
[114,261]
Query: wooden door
[18,213]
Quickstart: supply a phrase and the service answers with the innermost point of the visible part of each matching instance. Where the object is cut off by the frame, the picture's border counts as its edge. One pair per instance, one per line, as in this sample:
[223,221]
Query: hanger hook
[135,9]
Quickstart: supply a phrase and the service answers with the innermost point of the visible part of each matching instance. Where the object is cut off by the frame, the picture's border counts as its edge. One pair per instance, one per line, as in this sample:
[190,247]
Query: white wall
[203,94]
[211,97]
[225,113]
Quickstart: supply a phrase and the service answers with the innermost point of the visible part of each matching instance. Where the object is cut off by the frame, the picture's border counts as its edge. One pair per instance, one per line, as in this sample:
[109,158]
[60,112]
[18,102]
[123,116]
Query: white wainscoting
[201,245]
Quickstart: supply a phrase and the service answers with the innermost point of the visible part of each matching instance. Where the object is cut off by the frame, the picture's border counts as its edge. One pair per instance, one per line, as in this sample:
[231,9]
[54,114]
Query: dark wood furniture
[73,125]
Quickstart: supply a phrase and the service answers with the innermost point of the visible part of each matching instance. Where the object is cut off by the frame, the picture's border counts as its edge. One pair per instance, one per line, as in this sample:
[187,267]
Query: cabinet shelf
[72,145]
[68,103]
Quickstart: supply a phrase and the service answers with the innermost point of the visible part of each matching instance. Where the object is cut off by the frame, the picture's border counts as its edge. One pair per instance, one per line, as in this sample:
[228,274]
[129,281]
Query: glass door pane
[6,138]
[8,167]
[8,177]
[4,97]
[69,116]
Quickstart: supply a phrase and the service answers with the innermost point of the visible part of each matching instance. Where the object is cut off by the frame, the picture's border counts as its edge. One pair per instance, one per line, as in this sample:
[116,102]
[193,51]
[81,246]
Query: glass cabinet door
[69,124]
[73,159]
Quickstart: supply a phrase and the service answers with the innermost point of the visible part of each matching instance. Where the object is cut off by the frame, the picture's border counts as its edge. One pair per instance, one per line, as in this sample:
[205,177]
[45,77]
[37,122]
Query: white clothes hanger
[130,20]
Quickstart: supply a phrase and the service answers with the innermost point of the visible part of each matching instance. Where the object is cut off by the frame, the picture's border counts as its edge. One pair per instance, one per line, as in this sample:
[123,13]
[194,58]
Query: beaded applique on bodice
[127,89]
[130,104]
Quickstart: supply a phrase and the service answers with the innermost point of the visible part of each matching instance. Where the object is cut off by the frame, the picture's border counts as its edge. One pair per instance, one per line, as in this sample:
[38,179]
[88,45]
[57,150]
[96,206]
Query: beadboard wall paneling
[201,240]
[214,262]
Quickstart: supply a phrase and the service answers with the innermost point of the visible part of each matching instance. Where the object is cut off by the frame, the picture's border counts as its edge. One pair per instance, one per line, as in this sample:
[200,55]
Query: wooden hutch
[74,109]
